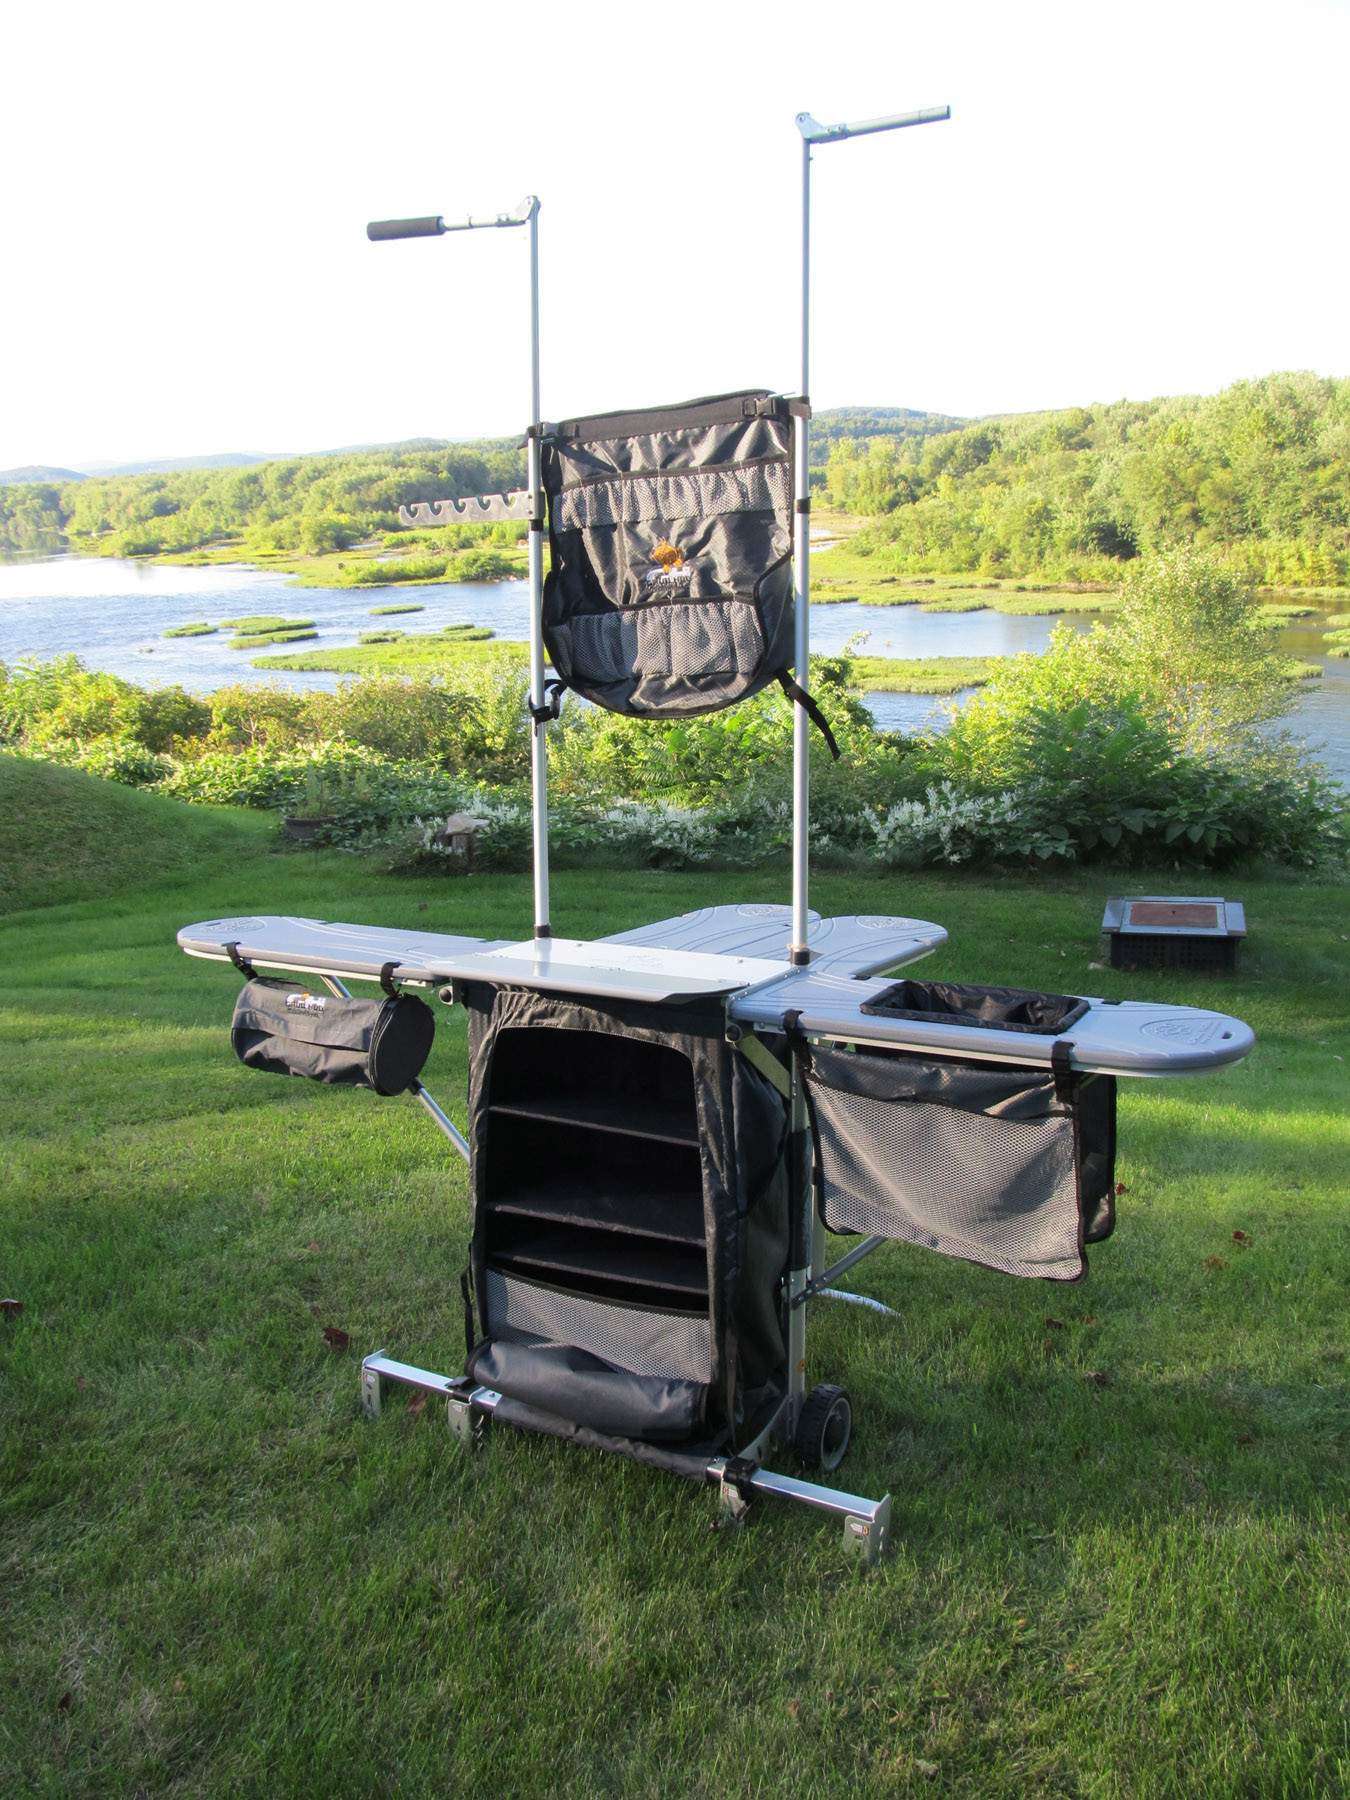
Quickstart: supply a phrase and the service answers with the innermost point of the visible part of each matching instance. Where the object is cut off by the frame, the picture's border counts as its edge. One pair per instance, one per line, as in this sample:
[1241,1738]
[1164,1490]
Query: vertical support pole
[801,579]
[538,739]
[801,1201]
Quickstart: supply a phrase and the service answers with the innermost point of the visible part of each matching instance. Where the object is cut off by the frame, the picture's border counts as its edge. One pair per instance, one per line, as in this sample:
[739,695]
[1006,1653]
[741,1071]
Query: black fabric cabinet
[630,1216]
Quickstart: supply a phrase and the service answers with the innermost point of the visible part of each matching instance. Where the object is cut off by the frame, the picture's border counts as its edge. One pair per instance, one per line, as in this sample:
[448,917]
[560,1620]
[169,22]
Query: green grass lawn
[218,1580]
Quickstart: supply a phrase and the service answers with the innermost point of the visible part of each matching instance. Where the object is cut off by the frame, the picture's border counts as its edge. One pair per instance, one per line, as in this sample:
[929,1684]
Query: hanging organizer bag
[995,1163]
[670,532]
[380,1044]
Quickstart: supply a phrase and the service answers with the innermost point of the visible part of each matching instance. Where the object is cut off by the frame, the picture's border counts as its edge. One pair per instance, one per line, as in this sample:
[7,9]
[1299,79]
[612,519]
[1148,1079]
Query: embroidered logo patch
[309,1003]
[672,571]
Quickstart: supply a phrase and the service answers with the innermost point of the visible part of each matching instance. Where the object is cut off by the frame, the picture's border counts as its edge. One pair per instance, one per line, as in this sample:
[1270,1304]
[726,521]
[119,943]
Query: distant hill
[898,422]
[37,472]
[175,465]
[234,459]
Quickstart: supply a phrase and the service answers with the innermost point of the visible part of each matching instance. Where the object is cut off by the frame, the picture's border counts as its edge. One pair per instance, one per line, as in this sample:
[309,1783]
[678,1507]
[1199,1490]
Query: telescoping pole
[434,225]
[814,133]
[538,710]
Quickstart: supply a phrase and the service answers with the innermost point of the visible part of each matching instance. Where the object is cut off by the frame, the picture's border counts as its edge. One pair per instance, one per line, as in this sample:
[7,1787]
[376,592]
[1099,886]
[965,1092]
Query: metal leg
[370,1386]
[802,1204]
[733,1503]
[866,1538]
[446,1124]
[467,1422]
[826,1278]
[867,1523]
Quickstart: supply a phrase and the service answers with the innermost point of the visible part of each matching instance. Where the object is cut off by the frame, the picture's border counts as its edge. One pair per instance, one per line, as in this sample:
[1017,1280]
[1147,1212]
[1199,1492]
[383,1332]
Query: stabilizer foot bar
[469,1408]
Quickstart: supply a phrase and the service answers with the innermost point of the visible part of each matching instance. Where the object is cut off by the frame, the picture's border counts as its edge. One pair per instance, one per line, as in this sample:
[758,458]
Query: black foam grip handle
[401,228]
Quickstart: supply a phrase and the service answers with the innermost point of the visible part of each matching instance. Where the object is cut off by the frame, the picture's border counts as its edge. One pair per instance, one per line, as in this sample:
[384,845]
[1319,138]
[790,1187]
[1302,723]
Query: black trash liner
[381,1044]
[571,1383]
[991,1008]
[994,1163]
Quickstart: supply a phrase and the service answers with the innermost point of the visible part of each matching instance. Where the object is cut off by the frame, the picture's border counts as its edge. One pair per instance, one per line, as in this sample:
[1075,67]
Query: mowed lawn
[217,1579]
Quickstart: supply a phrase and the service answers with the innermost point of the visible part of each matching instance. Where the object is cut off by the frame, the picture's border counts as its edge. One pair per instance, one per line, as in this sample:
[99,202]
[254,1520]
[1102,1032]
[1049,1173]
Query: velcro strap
[244,967]
[1062,1065]
[551,705]
[799,696]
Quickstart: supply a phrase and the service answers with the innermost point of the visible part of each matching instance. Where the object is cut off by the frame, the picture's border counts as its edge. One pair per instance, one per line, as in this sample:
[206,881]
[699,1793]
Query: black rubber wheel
[824,1427]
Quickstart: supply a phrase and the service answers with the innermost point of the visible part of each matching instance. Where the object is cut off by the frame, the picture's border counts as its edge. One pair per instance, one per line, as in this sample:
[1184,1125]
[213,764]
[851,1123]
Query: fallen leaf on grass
[926,1768]
[178,1684]
[314,1245]
[1215,1262]
[66,1701]
[80,1382]
[418,1403]
[1098,1376]
[1246,1438]
[335,1338]
[1121,1189]
[1056,1324]
[795,1708]
[421,906]
[1240,1237]
[11,1308]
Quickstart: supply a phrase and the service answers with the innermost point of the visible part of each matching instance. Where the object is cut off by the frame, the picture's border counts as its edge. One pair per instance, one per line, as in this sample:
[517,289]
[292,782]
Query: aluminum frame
[812,132]
[739,1478]
[509,506]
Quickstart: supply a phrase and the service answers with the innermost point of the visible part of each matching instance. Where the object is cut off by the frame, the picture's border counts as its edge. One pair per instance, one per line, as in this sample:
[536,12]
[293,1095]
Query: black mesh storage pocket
[670,590]
[382,1044]
[992,1164]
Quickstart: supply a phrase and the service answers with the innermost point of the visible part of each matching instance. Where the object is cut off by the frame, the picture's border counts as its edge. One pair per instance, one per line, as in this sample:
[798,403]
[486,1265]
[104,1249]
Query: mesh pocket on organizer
[976,1162]
[660,643]
[668,1346]
[695,494]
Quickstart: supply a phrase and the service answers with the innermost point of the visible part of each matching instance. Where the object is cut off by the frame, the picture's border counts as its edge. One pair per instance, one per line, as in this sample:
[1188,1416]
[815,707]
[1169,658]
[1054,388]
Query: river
[113,615]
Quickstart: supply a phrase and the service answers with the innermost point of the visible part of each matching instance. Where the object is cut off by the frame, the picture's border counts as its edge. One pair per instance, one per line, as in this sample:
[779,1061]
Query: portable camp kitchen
[664,1123]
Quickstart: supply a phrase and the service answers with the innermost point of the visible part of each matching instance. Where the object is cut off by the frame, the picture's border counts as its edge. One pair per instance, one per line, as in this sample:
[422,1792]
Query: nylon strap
[799,696]
[1062,1066]
[246,969]
[387,979]
[552,702]
[758,1053]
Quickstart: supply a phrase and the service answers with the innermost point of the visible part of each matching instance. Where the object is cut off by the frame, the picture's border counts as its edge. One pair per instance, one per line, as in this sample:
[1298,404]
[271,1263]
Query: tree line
[1260,473]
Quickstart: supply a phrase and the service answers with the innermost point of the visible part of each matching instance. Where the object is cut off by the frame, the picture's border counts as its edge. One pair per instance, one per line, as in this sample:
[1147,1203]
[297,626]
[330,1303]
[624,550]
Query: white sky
[1130,199]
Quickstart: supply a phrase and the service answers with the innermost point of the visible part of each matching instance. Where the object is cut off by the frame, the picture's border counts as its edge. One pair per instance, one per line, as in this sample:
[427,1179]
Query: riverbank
[115,613]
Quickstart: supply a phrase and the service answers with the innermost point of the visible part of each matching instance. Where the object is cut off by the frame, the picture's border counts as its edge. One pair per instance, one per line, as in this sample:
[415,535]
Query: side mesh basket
[1008,1166]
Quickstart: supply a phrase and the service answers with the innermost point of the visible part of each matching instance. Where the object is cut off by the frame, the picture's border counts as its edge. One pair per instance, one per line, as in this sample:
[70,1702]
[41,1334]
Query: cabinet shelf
[670,1215]
[662,1122]
[666,1276]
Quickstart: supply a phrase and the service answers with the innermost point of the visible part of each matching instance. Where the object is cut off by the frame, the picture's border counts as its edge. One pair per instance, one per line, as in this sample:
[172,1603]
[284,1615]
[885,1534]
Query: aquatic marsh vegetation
[1142,742]
[261,639]
[265,622]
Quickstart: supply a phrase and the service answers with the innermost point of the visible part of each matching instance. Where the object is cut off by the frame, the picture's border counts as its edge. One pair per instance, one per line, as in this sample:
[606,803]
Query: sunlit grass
[1126,1588]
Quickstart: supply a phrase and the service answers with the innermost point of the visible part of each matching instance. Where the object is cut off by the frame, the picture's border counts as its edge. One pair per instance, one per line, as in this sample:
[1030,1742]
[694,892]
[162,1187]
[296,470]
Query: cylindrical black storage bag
[381,1044]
